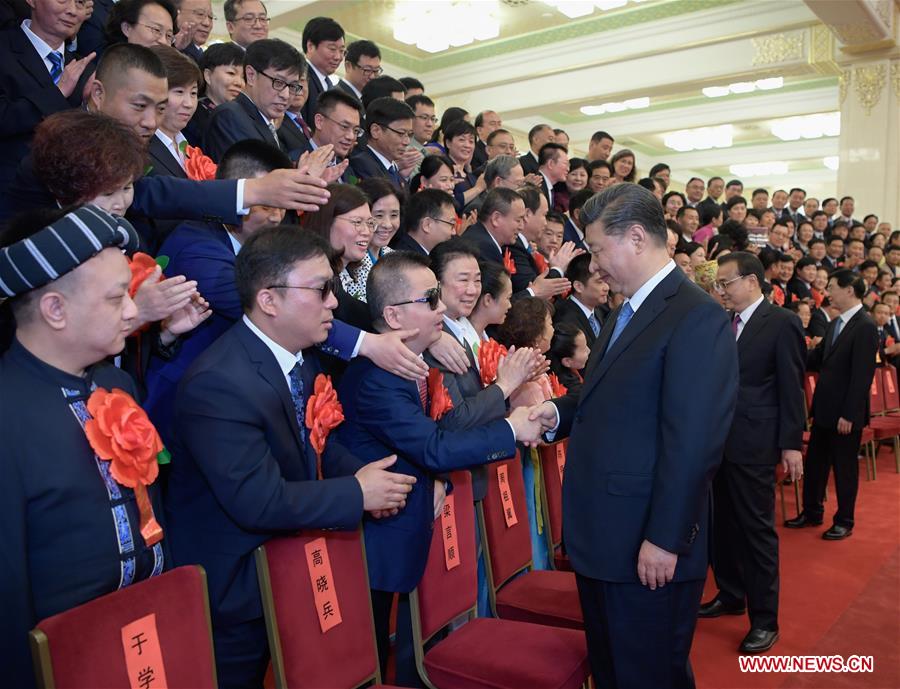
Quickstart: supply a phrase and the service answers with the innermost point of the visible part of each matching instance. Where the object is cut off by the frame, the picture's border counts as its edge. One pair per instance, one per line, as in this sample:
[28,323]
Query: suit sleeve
[342,339]
[224,129]
[692,435]
[525,274]
[487,405]
[163,197]
[789,359]
[21,112]
[403,426]
[862,370]
[226,437]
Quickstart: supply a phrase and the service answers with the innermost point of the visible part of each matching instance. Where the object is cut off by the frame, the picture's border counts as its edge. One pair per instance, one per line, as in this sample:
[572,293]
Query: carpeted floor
[837,598]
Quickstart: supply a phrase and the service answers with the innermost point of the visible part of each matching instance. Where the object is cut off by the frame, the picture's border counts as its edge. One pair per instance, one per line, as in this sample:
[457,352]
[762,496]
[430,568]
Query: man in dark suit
[269,63]
[429,219]
[386,414]
[582,308]
[573,230]
[530,277]
[834,253]
[336,122]
[640,462]
[323,43]
[553,166]
[195,21]
[804,275]
[245,470]
[500,220]
[538,135]
[294,131]
[845,360]
[389,130]
[38,77]
[486,122]
[362,63]
[767,428]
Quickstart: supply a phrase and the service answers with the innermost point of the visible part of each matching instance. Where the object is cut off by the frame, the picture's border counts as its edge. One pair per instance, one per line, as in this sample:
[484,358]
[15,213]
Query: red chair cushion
[562,563]
[86,641]
[500,654]
[868,435]
[510,546]
[542,597]
[885,426]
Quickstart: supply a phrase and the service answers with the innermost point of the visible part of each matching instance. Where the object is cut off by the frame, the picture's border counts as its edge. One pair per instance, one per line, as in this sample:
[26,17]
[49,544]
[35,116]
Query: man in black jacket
[845,360]
[767,428]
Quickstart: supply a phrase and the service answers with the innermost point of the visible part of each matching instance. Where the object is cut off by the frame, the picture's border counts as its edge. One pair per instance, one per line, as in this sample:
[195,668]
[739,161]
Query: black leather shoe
[716,608]
[837,533]
[758,641]
[801,521]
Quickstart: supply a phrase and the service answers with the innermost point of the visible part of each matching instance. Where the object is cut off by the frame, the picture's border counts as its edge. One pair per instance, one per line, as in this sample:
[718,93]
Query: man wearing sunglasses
[387,415]
[246,470]
[272,70]
[361,65]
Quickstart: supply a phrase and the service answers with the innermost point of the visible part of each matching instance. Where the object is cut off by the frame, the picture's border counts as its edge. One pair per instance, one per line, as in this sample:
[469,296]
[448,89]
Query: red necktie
[734,324]
[423,394]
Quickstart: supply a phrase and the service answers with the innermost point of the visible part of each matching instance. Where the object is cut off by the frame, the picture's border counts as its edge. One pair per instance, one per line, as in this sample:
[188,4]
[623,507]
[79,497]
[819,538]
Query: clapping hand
[185,35]
[561,258]
[158,299]
[316,162]
[186,319]
[72,73]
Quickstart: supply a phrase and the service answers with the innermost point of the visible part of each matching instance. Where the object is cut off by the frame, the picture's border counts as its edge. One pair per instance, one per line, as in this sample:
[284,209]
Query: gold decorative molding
[895,78]
[843,85]
[778,48]
[821,50]
[869,81]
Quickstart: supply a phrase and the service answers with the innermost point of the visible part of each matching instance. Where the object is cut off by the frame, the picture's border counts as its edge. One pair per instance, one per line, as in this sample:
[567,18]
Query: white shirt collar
[388,164]
[173,146]
[850,313]
[496,243]
[548,183]
[427,252]
[286,360]
[454,326]
[353,88]
[746,314]
[587,312]
[644,290]
[235,244]
[534,155]
[322,76]
[40,45]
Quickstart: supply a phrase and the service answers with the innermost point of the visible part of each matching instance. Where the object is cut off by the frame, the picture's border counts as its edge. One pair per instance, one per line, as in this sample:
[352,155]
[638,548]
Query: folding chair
[553,459]
[303,656]
[891,409]
[517,592]
[155,631]
[483,652]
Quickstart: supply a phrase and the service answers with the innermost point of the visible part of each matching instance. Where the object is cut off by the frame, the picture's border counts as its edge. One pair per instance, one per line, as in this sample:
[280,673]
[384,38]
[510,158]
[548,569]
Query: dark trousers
[638,638]
[745,545]
[829,448]
[242,654]
[407,675]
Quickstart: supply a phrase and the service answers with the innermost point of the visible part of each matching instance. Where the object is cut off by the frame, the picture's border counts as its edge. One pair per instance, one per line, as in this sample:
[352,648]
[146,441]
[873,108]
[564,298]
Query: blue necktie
[595,324]
[395,176]
[837,330]
[298,399]
[624,316]
[56,69]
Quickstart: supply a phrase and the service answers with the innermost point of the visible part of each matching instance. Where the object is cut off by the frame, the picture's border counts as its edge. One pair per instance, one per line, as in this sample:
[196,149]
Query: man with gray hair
[503,171]
[640,462]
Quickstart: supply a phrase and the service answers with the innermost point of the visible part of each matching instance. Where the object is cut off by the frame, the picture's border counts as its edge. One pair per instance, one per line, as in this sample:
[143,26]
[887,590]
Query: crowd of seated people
[298,224]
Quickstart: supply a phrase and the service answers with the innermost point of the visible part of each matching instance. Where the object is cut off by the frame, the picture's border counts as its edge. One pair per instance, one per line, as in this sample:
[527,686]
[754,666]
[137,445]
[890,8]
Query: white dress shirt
[847,315]
[352,88]
[323,78]
[640,296]
[174,147]
[388,164]
[746,314]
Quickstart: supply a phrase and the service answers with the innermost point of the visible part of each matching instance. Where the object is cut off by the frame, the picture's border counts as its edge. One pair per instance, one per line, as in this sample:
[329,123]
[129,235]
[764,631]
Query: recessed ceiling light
[700,139]
[832,162]
[775,167]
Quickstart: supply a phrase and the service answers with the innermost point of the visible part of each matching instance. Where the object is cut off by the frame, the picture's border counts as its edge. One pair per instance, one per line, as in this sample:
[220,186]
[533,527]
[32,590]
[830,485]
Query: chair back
[448,590]
[876,393]
[809,388]
[891,392]
[507,545]
[155,631]
[308,582]
[553,460]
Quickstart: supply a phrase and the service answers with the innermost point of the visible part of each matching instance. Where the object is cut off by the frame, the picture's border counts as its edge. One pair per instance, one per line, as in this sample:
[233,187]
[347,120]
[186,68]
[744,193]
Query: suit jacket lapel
[29,58]
[161,156]
[829,346]
[653,305]
[253,113]
[754,325]
[268,368]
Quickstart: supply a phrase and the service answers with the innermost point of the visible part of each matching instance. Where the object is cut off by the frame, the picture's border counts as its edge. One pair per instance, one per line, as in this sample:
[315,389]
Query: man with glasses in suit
[247,21]
[361,64]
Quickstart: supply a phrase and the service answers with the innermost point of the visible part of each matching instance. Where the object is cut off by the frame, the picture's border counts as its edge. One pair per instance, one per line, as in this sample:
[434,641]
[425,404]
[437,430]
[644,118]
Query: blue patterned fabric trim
[159,560]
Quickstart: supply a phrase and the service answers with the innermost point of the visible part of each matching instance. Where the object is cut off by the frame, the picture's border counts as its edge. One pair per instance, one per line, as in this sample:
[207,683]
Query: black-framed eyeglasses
[295,87]
[720,285]
[330,287]
[357,131]
[407,134]
[452,223]
[432,298]
[368,71]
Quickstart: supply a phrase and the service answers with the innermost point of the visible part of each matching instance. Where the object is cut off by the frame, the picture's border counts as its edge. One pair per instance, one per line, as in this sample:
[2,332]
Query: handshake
[530,423]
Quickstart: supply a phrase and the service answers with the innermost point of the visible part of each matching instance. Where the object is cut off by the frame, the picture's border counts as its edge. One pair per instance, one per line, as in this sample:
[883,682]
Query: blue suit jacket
[27,96]
[384,416]
[570,234]
[235,121]
[647,434]
[242,474]
[203,252]
[364,165]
